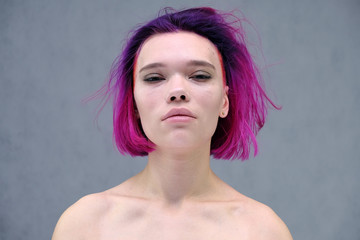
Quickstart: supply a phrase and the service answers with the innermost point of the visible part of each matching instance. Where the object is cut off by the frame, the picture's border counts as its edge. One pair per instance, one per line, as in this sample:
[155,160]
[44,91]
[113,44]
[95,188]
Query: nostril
[182,97]
[172,98]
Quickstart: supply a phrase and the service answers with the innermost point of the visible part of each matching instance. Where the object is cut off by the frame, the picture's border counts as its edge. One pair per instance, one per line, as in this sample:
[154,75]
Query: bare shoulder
[86,218]
[262,220]
[83,215]
[272,226]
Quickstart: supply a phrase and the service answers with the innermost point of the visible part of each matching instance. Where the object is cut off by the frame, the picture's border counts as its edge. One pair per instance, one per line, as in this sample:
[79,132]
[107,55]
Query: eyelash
[154,79]
[200,77]
[197,77]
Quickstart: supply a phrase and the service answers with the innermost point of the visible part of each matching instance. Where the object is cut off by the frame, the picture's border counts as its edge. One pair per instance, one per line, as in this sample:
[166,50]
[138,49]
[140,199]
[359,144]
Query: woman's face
[179,90]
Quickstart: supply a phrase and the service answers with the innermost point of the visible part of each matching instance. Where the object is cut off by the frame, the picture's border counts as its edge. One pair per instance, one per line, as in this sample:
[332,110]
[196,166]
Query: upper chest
[202,221]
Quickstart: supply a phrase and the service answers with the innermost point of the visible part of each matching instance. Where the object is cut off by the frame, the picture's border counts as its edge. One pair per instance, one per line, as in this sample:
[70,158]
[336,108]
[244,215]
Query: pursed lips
[178,112]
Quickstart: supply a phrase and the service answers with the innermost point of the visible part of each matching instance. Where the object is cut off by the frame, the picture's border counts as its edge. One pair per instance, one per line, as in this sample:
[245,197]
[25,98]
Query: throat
[173,179]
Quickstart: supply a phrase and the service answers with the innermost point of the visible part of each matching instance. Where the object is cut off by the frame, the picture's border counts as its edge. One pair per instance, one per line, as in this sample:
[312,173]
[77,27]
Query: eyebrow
[151,65]
[198,63]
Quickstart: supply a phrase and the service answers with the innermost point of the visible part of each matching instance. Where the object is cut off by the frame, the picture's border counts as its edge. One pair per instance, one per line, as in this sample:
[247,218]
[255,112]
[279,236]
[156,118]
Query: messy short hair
[248,101]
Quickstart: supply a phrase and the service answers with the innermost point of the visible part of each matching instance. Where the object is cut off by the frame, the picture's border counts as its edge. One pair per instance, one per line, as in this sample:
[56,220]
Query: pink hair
[248,101]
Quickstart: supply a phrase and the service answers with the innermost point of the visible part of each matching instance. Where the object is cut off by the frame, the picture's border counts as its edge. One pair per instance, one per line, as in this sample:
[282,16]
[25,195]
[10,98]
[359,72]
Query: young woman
[185,87]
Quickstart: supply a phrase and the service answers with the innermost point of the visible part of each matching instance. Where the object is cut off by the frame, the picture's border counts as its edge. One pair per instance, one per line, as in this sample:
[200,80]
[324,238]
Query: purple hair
[248,101]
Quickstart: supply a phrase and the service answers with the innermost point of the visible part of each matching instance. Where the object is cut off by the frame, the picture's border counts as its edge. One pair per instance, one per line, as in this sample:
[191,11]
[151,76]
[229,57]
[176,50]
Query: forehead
[177,47]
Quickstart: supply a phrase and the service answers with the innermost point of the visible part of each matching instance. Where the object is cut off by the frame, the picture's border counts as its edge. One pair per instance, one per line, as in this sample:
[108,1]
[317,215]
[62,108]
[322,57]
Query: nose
[178,92]
[178,95]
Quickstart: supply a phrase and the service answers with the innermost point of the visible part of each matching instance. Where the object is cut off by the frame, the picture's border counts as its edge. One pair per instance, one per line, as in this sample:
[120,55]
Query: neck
[174,175]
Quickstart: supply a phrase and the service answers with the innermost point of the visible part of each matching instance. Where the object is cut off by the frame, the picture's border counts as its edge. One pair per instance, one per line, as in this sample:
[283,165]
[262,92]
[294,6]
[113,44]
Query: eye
[153,78]
[200,76]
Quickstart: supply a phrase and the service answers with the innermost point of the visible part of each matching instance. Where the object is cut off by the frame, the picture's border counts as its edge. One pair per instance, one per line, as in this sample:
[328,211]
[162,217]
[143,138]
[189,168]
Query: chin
[182,146]
[182,141]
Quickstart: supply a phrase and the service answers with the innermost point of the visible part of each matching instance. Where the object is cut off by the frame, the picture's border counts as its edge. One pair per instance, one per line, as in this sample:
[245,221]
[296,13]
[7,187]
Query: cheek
[143,105]
[211,101]
[146,103]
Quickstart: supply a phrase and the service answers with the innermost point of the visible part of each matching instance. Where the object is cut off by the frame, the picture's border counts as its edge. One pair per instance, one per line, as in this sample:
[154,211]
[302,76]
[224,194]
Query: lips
[178,112]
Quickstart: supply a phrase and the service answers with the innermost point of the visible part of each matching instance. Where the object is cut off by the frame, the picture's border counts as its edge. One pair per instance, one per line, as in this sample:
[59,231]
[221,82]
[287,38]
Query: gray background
[55,53]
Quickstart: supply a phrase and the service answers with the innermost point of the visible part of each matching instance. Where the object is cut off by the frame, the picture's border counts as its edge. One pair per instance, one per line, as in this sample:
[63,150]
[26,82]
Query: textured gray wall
[54,53]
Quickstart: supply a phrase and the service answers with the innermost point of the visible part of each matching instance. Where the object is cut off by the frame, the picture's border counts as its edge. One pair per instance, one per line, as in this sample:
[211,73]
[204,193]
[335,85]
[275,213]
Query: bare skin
[124,213]
[192,203]
[177,195]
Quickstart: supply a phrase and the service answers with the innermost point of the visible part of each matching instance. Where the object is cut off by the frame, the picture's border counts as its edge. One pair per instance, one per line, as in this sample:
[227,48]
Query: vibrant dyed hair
[248,101]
